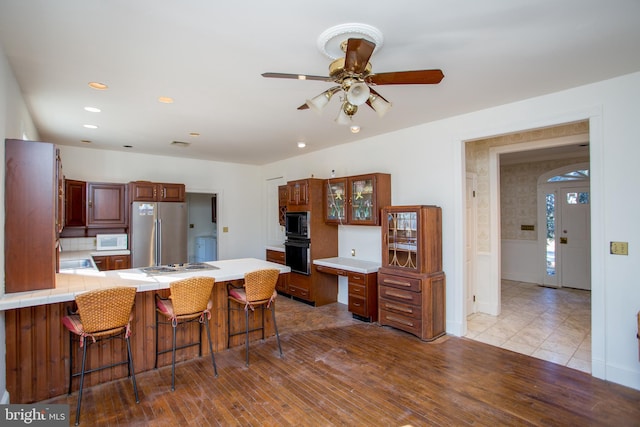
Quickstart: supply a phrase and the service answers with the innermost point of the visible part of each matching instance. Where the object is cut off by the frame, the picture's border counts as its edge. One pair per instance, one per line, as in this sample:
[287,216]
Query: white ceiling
[209,55]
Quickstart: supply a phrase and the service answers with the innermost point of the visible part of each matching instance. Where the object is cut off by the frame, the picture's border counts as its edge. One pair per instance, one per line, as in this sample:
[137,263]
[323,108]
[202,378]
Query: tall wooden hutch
[411,283]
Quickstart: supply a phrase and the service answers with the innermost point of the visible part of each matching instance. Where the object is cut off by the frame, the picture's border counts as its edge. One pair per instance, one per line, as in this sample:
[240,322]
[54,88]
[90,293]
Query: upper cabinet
[106,205]
[30,229]
[75,202]
[283,197]
[298,195]
[356,200]
[412,239]
[145,191]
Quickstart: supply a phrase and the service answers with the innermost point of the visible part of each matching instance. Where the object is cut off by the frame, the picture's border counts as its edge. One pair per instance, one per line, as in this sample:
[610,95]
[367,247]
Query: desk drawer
[358,306]
[358,290]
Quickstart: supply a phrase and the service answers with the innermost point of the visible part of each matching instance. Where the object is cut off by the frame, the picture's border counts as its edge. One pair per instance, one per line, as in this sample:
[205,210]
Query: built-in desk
[37,357]
[363,279]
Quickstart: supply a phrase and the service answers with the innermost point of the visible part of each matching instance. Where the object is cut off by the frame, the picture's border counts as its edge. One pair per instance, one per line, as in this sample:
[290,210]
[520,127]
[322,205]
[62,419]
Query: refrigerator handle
[159,242]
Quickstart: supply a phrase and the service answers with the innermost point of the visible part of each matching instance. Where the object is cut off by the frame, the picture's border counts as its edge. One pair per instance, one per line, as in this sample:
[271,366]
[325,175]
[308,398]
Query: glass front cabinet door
[335,195]
[356,200]
[412,238]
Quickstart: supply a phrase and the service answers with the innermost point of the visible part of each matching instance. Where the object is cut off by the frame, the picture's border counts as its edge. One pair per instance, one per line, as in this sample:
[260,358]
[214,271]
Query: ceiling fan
[353,76]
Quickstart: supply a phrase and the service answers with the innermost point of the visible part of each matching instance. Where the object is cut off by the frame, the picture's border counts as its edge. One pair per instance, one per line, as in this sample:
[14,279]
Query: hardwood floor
[340,371]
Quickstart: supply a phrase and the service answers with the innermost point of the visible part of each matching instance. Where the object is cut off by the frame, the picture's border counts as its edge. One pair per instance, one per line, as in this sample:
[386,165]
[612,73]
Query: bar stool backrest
[259,285]
[191,295]
[105,309]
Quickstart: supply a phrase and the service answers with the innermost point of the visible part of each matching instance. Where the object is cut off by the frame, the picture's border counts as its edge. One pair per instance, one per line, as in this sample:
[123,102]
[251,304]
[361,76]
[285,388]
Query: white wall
[237,186]
[434,172]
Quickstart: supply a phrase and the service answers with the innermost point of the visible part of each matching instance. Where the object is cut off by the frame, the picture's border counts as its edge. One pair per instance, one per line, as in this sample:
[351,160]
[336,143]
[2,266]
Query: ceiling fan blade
[297,76]
[303,107]
[357,55]
[406,77]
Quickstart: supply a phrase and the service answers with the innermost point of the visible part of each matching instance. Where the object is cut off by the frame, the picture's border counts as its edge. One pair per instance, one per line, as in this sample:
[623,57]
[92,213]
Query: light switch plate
[619,248]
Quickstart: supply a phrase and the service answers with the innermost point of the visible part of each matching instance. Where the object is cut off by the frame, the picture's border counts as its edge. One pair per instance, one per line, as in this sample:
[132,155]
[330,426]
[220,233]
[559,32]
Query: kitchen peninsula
[38,345]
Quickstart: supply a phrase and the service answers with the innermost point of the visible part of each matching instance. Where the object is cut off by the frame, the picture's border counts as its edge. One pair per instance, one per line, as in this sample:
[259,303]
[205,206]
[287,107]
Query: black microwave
[297,225]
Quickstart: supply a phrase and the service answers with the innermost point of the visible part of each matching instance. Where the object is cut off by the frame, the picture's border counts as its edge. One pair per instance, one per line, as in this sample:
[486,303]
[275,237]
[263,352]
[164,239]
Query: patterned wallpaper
[477,161]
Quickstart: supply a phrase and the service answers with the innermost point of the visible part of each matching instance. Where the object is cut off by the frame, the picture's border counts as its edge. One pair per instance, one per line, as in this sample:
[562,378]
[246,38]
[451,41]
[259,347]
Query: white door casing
[470,247]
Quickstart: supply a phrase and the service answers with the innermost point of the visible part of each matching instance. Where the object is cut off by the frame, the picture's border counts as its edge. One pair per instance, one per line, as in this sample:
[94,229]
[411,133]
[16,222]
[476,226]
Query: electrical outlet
[353,252]
[619,248]
[225,229]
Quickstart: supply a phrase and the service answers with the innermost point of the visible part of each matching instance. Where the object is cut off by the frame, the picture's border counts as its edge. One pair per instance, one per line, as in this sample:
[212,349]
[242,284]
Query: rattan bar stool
[259,290]
[189,301]
[102,315]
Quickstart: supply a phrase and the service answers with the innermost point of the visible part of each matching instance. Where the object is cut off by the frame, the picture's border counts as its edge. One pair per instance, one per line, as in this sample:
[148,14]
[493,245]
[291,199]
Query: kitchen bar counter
[37,357]
[69,284]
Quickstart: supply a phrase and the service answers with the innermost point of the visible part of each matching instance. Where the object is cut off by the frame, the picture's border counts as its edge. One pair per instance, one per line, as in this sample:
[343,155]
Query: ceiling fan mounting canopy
[353,74]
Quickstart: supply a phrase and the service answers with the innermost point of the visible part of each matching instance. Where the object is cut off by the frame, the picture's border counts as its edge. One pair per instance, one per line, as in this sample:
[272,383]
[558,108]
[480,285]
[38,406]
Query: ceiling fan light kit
[350,46]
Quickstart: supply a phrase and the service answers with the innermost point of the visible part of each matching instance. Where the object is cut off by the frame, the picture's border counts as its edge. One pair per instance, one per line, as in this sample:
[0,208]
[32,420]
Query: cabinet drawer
[330,270]
[400,295]
[357,278]
[358,306]
[406,310]
[405,323]
[357,290]
[400,282]
[275,256]
[298,292]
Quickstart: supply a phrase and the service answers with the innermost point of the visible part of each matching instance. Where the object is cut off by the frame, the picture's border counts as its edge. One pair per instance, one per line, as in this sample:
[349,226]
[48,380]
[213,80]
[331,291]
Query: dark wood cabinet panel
[298,195]
[283,197]
[356,200]
[146,191]
[75,202]
[112,262]
[106,205]
[31,201]
[411,285]
[362,292]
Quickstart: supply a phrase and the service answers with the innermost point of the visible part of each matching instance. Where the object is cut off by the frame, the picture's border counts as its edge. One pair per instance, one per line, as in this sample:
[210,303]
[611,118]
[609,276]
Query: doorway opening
[202,232]
[507,169]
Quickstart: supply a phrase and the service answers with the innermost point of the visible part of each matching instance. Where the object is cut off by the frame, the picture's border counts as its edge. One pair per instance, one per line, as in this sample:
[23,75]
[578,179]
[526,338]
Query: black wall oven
[297,255]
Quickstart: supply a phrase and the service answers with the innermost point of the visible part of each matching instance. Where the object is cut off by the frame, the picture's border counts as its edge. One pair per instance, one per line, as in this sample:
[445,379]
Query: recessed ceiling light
[92,109]
[166,99]
[194,134]
[301,144]
[98,86]
[91,126]
[355,129]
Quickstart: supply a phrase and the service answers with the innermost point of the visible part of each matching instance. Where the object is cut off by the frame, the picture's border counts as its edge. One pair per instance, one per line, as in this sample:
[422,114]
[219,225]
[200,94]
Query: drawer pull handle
[398,295]
[356,304]
[399,308]
[399,320]
[397,282]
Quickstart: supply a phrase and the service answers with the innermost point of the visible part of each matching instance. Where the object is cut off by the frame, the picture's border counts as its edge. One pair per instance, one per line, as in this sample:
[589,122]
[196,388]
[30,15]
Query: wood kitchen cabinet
[356,200]
[145,191]
[75,203]
[298,195]
[283,280]
[411,284]
[362,292]
[106,205]
[283,198]
[112,262]
[31,201]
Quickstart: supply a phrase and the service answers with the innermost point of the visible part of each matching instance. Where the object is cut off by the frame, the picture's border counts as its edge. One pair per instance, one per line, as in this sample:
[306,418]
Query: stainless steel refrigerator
[158,233]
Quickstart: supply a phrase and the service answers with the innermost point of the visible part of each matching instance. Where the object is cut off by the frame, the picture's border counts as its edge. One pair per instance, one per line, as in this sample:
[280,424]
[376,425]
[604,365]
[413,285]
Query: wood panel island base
[37,344]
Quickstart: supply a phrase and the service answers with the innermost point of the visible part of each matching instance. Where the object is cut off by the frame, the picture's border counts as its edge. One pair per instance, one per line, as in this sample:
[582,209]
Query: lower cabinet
[283,280]
[362,292]
[413,303]
[112,262]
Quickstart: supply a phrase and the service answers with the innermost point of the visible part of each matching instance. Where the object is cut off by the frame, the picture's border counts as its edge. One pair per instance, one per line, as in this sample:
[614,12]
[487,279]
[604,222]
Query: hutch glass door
[402,239]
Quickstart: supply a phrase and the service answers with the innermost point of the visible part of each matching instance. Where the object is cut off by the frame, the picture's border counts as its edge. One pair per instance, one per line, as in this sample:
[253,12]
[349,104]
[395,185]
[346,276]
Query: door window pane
[550,249]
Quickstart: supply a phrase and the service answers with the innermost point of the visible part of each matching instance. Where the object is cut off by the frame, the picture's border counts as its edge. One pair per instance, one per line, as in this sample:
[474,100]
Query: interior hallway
[546,323]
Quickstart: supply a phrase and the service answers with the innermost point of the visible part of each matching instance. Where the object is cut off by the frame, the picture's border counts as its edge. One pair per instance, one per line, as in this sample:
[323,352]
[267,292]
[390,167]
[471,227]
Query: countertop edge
[349,264]
[68,285]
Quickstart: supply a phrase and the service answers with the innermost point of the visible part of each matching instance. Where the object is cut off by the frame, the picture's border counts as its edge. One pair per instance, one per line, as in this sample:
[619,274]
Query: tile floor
[546,323]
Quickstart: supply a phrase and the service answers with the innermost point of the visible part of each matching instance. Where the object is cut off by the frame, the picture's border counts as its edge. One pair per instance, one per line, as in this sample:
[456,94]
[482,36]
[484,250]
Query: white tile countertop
[68,285]
[349,264]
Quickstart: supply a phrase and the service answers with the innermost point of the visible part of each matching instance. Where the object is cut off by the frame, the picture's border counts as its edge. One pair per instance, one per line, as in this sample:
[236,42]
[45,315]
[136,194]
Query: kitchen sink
[74,264]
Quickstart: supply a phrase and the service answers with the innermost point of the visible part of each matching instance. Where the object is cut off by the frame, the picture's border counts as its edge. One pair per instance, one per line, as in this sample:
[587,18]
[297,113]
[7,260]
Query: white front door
[574,237]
